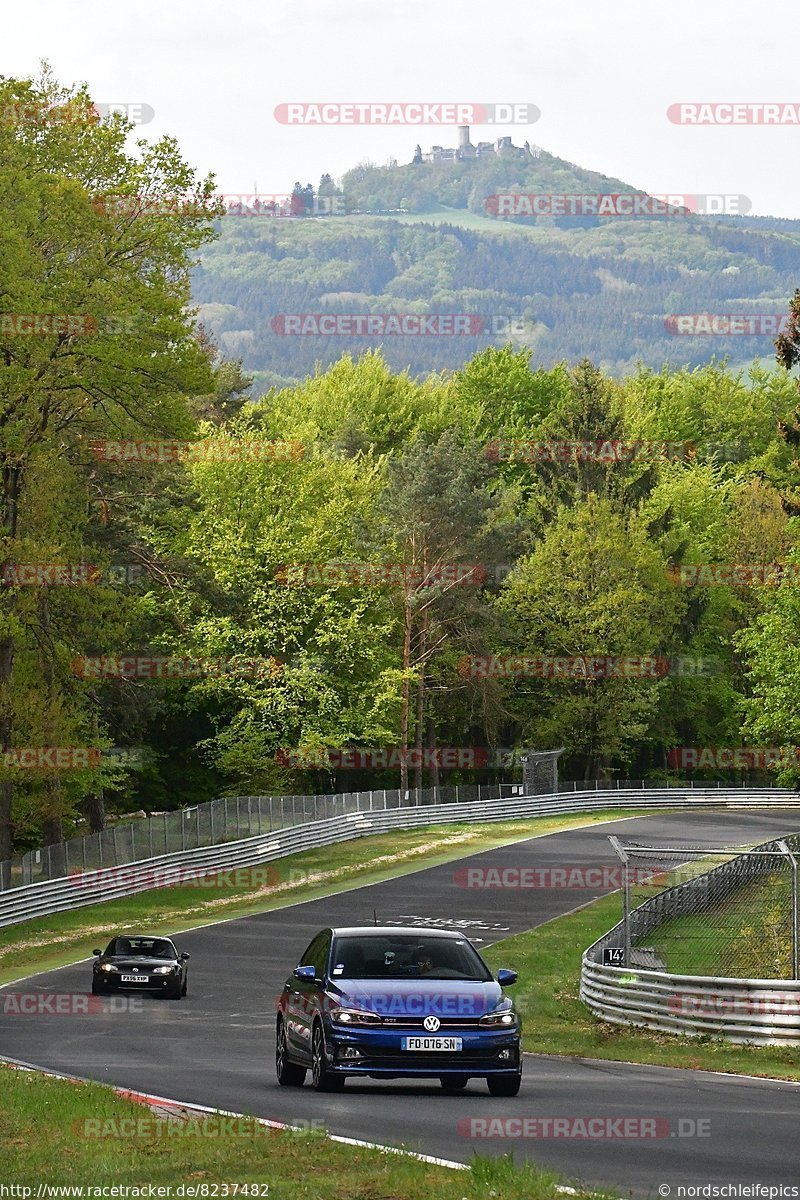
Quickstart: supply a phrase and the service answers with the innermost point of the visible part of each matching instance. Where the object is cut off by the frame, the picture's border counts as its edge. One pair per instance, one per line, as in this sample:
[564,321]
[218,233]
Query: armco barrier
[227,819]
[41,899]
[233,818]
[766,1011]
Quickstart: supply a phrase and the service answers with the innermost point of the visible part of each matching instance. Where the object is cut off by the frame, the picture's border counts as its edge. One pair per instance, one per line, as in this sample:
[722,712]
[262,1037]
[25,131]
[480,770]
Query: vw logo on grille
[431,1024]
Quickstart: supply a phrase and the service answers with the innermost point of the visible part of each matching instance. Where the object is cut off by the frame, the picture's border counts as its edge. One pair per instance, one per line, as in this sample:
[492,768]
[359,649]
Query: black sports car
[140,963]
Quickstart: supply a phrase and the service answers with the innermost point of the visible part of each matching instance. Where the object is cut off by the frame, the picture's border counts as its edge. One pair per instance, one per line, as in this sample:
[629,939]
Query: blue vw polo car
[397,1003]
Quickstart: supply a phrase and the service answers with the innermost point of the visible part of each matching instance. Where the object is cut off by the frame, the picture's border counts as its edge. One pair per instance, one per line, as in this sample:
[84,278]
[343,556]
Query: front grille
[415,1058]
[445,1022]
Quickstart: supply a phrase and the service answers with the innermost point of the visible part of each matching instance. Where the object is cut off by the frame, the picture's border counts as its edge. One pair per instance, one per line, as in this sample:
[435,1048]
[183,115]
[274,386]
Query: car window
[321,953]
[407,956]
[316,954]
[142,947]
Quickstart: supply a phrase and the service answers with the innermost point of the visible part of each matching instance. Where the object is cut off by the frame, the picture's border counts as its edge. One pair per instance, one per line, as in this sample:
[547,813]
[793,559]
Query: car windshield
[141,947]
[406,956]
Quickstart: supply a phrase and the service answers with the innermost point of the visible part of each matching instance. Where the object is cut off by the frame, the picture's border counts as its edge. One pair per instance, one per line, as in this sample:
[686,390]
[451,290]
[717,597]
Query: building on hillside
[465,151]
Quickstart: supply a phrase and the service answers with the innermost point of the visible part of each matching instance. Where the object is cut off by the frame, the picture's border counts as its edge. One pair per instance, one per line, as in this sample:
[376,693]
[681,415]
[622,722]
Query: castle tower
[463,137]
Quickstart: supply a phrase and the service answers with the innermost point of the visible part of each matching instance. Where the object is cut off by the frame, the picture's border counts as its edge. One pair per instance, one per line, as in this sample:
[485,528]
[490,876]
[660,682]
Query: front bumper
[379,1052]
[155,983]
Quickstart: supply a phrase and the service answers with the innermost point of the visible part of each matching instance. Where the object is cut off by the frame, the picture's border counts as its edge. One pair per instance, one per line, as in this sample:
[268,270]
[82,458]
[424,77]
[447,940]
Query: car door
[305,995]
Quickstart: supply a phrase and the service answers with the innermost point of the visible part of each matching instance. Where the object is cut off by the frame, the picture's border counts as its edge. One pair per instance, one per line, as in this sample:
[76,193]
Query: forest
[608,288]
[372,572]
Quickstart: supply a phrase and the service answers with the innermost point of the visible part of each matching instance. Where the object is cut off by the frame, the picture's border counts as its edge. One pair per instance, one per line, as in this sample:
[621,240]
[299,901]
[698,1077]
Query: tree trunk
[52,829]
[95,807]
[52,796]
[9,505]
[406,693]
[420,730]
[434,757]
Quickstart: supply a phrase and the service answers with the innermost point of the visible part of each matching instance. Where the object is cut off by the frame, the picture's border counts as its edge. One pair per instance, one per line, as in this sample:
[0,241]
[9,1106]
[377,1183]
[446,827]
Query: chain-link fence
[235,817]
[540,771]
[217,821]
[692,910]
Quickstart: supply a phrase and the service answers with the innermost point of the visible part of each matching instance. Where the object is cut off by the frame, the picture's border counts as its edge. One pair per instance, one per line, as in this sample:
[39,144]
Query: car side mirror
[505,978]
[97,952]
[185,955]
[306,974]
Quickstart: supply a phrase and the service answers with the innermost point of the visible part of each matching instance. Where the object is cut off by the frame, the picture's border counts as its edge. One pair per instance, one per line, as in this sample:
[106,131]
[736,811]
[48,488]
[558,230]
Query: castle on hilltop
[503,147]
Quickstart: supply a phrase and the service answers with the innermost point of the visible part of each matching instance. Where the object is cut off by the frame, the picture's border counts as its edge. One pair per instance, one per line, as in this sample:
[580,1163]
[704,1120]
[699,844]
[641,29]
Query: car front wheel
[288,1074]
[454,1083]
[504,1085]
[322,1079]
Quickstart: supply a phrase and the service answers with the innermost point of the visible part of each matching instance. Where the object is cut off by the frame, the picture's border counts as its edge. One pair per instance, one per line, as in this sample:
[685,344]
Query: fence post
[795,925]
[114,843]
[626,906]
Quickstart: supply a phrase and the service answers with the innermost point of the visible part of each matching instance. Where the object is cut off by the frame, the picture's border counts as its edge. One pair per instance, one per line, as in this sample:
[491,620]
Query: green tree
[92,254]
[594,585]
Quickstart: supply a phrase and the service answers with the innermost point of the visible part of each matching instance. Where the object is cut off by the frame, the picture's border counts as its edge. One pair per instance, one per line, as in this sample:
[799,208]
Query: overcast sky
[602,75]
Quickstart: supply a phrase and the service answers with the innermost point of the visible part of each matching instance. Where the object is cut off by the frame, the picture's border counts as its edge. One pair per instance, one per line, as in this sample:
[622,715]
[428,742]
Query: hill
[422,239]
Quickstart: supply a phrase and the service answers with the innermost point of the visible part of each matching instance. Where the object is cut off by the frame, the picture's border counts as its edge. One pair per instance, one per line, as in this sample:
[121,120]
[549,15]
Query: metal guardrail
[83,888]
[215,822]
[764,1011]
[232,818]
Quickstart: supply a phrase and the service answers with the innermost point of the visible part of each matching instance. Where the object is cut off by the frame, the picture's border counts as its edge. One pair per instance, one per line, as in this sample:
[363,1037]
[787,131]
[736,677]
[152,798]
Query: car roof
[419,931]
[160,937]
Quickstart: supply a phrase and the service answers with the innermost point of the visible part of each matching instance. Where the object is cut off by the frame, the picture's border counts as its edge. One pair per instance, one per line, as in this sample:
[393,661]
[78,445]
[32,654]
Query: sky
[602,75]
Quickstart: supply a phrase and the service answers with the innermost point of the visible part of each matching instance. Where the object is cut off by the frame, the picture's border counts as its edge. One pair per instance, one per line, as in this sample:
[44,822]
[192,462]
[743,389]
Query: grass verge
[57,1132]
[45,943]
[556,1022]
[748,935]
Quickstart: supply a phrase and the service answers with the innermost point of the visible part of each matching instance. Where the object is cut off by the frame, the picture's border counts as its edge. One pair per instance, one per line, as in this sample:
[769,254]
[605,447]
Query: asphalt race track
[216,1046]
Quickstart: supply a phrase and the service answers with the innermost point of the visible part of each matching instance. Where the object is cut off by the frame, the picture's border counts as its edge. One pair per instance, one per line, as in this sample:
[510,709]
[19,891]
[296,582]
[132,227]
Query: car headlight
[109,967]
[355,1016]
[503,1018]
[164,970]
